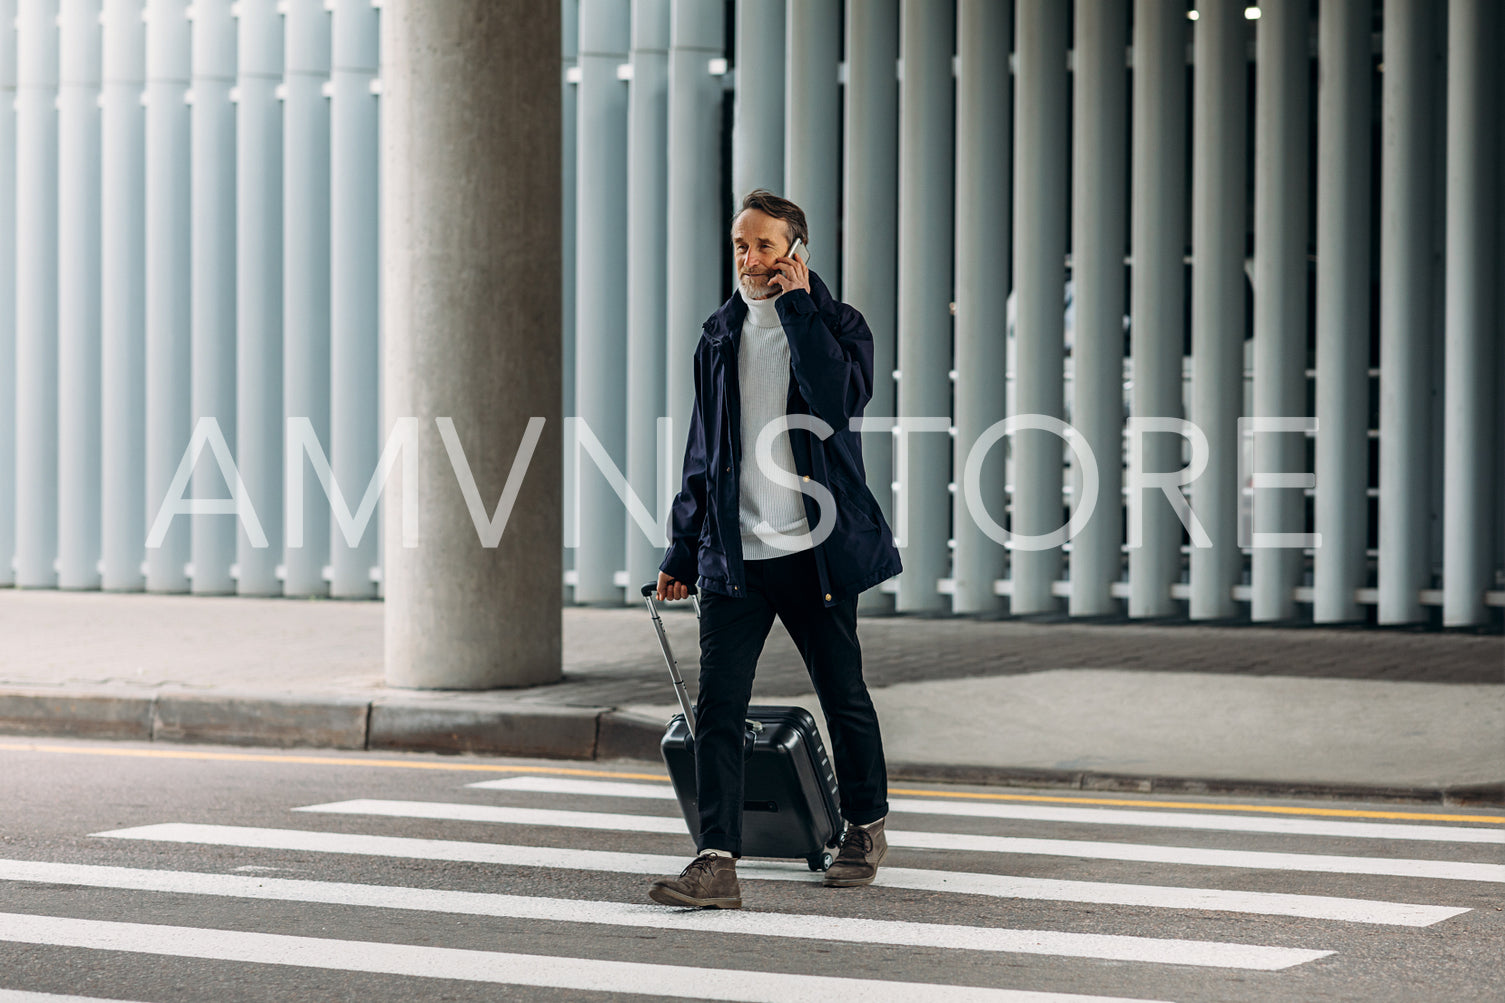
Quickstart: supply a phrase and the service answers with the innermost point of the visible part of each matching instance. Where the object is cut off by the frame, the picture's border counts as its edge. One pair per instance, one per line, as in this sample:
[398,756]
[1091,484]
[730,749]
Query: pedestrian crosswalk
[527,831]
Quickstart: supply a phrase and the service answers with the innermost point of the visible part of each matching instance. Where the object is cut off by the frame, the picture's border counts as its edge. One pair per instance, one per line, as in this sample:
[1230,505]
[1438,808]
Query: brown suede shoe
[862,850]
[710,882]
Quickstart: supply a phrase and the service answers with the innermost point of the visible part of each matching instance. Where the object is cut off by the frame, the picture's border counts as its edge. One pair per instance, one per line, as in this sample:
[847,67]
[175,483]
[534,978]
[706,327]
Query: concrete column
[354,414]
[259,429]
[168,380]
[1343,255]
[36,305]
[1219,227]
[306,277]
[1157,289]
[758,115]
[78,335]
[1098,241]
[647,282]
[569,87]
[698,220]
[1040,178]
[601,304]
[1407,203]
[812,127]
[983,147]
[8,484]
[1281,130]
[122,226]
[212,131]
[870,236]
[464,342]
[1471,517]
[927,179]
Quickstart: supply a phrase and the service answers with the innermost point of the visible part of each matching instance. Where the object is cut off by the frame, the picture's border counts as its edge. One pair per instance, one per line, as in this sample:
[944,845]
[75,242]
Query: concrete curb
[281,722]
[622,734]
[479,725]
[476,726]
[77,715]
[452,723]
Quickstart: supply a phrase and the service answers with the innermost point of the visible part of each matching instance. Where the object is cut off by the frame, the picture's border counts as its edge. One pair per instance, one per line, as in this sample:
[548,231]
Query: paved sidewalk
[1295,711]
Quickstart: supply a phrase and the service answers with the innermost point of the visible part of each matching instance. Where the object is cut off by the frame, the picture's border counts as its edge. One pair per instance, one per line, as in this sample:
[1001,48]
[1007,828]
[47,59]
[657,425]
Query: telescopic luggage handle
[649,591]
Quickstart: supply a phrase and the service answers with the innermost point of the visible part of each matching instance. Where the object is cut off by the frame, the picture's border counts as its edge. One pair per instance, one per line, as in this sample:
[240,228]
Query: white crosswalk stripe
[1278,951]
[857,931]
[1097,850]
[972,883]
[1041,813]
[486,966]
[15,996]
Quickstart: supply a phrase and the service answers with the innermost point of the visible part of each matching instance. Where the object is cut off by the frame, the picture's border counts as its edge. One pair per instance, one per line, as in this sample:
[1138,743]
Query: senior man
[775,519]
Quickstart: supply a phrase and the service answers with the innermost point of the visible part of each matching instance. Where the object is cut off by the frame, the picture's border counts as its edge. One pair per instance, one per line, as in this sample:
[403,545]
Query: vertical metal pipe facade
[812,127]
[305,279]
[870,196]
[647,282]
[1470,518]
[168,385]
[927,176]
[212,157]
[78,310]
[1219,224]
[697,226]
[1040,193]
[122,225]
[354,415]
[1157,292]
[36,294]
[1280,297]
[1342,308]
[189,227]
[761,73]
[601,301]
[258,299]
[8,429]
[1407,202]
[1098,241]
[983,147]
[569,131]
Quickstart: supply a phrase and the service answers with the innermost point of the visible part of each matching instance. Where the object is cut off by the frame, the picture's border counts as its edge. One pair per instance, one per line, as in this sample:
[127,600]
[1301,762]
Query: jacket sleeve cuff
[797,302]
[681,563]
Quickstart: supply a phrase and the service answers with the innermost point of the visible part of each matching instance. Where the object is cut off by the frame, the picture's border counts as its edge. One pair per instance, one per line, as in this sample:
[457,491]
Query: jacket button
[828,597]
[728,469]
[807,477]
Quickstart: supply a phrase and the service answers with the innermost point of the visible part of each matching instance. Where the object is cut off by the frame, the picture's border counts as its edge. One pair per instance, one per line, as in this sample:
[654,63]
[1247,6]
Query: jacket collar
[728,318]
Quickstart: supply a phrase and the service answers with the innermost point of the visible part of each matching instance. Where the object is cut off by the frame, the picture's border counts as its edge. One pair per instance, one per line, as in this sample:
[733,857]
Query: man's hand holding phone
[791,271]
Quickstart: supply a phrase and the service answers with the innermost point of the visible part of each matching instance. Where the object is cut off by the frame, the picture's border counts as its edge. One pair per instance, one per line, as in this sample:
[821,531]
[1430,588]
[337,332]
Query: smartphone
[799,250]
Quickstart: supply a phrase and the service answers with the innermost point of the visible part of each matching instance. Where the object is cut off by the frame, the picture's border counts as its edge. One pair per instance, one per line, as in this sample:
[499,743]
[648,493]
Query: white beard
[756,287]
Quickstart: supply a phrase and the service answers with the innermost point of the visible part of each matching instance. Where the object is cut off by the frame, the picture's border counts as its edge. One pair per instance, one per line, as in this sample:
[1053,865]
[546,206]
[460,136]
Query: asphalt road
[157,873]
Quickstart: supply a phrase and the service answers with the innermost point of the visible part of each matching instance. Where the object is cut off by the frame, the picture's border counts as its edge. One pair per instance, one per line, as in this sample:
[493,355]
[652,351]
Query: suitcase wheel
[820,861]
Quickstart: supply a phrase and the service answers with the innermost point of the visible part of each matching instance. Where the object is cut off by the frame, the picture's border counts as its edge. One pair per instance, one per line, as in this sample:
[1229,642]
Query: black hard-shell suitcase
[789,804]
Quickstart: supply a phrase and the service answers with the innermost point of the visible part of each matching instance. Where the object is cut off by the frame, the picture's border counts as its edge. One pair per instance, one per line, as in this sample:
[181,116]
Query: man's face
[758,240]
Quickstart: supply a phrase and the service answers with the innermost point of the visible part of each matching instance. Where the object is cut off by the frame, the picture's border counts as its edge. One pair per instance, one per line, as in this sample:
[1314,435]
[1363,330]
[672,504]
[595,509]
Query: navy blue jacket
[831,377]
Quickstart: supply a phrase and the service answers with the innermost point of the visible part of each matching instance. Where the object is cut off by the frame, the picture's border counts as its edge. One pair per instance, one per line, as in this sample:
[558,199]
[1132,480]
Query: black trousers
[732,632]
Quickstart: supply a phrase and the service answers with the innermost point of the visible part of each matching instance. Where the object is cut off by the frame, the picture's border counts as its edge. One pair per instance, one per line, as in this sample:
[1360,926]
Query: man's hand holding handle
[670,590]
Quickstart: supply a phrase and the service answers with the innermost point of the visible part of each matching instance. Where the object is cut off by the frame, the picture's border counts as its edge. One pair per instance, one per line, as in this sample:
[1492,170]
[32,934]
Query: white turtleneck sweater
[763,376]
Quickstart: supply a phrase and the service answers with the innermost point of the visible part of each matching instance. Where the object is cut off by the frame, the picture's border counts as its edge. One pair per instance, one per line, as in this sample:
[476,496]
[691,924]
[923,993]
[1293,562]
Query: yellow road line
[1203,806]
[246,757]
[402,764]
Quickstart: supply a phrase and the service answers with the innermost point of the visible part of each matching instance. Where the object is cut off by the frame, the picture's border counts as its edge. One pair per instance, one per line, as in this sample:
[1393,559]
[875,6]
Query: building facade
[1187,310]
